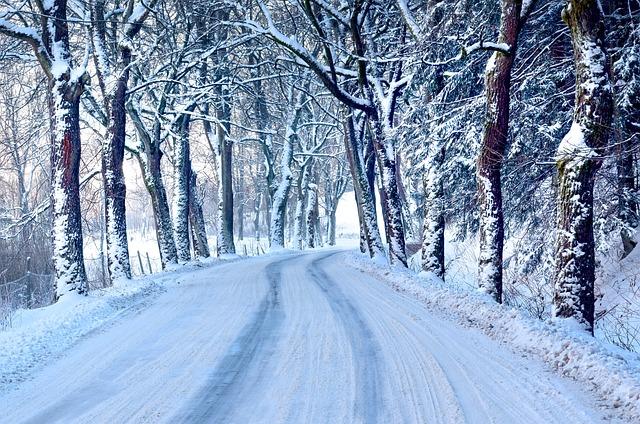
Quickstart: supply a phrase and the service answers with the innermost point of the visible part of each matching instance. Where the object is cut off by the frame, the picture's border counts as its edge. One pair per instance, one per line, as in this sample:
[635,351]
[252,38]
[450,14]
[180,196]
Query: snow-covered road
[294,338]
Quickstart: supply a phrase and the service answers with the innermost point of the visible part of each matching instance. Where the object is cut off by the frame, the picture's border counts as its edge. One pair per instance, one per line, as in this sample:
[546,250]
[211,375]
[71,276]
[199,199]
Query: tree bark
[113,177]
[225,243]
[578,159]
[492,148]
[301,204]
[312,216]
[392,203]
[150,158]
[64,118]
[331,232]
[433,235]
[281,195]
[364,192]
[196,220]
[64,115]
[182,177]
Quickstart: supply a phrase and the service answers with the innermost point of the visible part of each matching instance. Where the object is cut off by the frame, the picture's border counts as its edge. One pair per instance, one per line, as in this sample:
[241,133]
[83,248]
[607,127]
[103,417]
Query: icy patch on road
[612,373]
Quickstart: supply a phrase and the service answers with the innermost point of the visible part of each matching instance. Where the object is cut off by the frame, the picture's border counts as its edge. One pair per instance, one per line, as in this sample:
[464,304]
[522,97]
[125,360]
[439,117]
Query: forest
[511,126]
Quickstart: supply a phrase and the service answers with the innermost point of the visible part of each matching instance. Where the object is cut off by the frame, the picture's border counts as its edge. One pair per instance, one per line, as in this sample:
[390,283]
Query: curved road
[291,339]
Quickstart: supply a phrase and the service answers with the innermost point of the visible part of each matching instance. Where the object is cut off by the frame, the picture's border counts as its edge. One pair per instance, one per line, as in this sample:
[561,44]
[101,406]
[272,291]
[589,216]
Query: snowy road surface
[291,339]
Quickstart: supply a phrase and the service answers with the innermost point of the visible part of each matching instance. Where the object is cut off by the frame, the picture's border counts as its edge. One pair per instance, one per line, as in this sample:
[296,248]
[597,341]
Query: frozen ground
[289,338]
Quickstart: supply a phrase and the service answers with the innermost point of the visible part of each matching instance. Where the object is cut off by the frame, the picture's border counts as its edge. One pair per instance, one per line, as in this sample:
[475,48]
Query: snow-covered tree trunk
[433,235]
[196,220]
[113,82]
[239,193]
[492,148]
[301,204]
[627,192]
[364,192]
[385,153]
[225,244]
[152,174]
[578,159]
[182,177]
[64,114]
[149,157]
[66,85]
[281,195]
[51,47]
[113,177]
[331,228]
[311,214]
[256,216]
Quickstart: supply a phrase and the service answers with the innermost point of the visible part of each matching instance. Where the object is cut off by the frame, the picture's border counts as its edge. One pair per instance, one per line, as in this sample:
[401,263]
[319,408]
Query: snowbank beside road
[612,373]
[38,336]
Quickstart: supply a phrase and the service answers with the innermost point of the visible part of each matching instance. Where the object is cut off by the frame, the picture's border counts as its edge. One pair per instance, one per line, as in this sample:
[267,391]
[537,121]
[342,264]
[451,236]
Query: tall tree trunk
[113,177]
[331,228]
[364,192]
[150,164]
[150,157]
[312,215]
[433,236]
[64,115]
[492,148]
[182,177]
[301,204]
[225,244]
[64,119]
[196,220]
[627,192]
[256,218]
[578,160]
[239,192]
[281,195]
[393,220]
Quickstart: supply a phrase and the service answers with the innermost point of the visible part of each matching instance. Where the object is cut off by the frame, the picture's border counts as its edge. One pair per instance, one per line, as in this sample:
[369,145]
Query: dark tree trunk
[113,178]
[578,159]
[331,233]
[196,220]
[161,209]
[256,217]
[299,218]
[150,164]
[433,235]
[492,148]
[64,119]
[225,244]
[364,192]
[627,192]
[239,192]
[64,115]
[391,202]
[182,178]
[312,216]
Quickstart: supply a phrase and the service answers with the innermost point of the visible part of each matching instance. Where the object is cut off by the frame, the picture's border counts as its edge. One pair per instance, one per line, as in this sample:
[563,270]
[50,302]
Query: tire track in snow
[242,364]
[367,361]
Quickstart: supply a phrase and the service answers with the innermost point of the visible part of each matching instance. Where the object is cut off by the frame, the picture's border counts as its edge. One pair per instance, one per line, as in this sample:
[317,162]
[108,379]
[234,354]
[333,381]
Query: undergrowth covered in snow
[612,373]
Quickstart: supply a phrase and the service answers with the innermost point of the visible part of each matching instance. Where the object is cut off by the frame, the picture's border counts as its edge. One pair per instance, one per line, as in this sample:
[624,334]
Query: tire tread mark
[365,348]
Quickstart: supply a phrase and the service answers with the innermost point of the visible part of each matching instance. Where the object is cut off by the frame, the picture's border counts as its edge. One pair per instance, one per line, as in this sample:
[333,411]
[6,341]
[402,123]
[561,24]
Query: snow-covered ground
[317,337]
